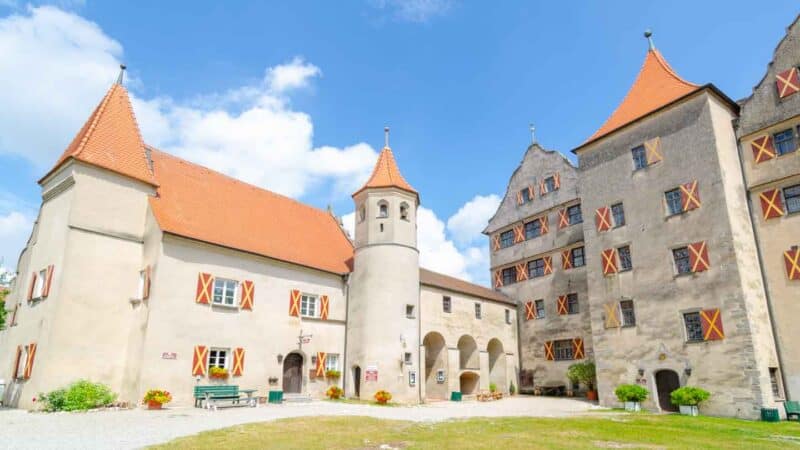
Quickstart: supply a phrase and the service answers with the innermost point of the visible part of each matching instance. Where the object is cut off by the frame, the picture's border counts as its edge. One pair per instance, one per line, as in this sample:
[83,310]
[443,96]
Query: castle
[668,256]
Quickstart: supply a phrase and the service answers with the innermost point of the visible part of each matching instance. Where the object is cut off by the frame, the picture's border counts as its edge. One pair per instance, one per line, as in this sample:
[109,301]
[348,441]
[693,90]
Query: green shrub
[492,387]
[512,389]
[689,396]
[79,396]
[631,393]
[582,373]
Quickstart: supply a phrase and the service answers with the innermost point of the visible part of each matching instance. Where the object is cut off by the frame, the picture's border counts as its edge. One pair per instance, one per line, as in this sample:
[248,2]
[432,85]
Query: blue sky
[293,96]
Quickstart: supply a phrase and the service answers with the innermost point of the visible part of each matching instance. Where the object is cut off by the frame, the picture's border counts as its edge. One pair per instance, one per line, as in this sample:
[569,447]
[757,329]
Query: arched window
[383,209]
[404,211]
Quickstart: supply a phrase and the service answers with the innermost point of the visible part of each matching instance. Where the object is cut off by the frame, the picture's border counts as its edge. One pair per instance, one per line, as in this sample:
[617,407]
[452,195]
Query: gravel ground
[138,428]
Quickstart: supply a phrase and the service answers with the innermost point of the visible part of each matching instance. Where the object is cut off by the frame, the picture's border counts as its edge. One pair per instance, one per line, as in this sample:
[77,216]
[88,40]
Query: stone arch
[404,211]
[468,357]
[383,209]
[497,364]
[469,382]
[435,363]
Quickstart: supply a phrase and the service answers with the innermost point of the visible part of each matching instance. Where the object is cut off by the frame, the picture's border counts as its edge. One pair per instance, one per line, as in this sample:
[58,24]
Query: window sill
[410,317]
[695,342]
[222,305]
[625,270]
[682,275]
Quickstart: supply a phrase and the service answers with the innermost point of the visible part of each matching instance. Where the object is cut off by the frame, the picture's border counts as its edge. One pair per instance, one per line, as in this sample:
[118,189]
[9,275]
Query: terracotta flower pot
[151,404]
[591,395]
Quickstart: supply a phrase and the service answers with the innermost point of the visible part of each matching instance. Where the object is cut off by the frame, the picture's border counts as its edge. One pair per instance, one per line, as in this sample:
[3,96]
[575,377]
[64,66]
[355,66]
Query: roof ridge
[95,120]
[138,130]
[660,58]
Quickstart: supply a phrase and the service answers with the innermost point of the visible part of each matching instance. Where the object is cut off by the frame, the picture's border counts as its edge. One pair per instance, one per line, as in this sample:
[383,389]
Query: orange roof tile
[657,85]
[111,139]
[198,203]
[430,278]
[386,174]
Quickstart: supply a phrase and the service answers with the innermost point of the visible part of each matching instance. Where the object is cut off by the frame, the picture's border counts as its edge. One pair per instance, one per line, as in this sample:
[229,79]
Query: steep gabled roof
[111,139]
[386,174]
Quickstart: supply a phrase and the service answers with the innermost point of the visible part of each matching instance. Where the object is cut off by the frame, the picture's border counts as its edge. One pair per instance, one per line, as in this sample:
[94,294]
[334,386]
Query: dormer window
[404,211]
[383,210]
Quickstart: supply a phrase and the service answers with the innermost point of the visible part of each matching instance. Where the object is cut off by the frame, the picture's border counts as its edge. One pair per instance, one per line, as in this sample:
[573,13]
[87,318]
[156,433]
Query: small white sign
[169,355]
[371,374]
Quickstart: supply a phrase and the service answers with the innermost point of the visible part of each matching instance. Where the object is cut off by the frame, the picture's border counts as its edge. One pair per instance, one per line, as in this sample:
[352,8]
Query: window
[508,316]
[572,304]
[383,210]
[773,380]
[627,313]
[681,256]
[23,358]
[792,196]
[694,330]
[619,214]
[332,361]
[526,195]
[674,205]
[506,238]
[536,268]
[639,158]
[563,349]
[410,311]
[446,304]
[404,211]
[575,214]
[625,262]
[224,292]
[218,357]
[362,213]
[408,358]
[308,305]
[509,275]
[577,257]
[550,184]
[533,229]
[784,142]
[38,288]
[539,305]
[478,310]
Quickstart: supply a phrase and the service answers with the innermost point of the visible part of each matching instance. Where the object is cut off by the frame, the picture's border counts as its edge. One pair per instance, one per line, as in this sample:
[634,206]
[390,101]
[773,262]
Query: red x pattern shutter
[496,242]
[320,369]
[48,280]
[522,271]
[324,307]
[562,305]
[557,180]
[15,374]
[531,191]
[29,361]
[294,303]
[792,259]
[545,224]
[787,82]
[32,285]
[763,149]
[542,187]
[498,278]
[771,204]
[548,265]
[530,312]
[205,282]
[690,197]
[609,260]
[519,198]
[577,348]
[563,218]
[146,287]
[200,360]
[612,321]
[711,321]
[602,218]
[248,295]
[698,257]
[519,233]
[653,150]
[548,351]
[566,261]
[238,362]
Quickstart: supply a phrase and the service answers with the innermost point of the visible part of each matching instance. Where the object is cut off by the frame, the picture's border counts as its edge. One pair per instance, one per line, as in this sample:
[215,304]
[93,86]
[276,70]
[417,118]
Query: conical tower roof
[387,174]
[110,139]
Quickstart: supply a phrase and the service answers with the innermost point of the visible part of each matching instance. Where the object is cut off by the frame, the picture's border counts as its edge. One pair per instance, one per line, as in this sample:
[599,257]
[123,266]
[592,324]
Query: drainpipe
[345,369]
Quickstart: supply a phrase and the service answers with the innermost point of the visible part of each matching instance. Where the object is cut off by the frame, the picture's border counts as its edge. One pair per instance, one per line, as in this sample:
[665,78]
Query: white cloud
[414,10]
[15,228]
[349,224]
[469,221]
[293,75]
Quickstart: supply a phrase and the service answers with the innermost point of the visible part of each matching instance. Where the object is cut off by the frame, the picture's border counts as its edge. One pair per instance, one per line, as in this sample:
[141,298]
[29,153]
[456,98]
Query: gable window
[572,304]
[792,196]
[383,210]
[508,316]
[224,292]
[308,305]
[509,275]
[627,313]
[533,229]
[332,361]
[681,257]
[639,157]
[526,195]
[539,305]
[575,214]
[576,254]
[619,214]
[408,358]
[218,357]
[550,184]
[625,262]
[404,211]
[784,142]
[563,350]
[410,311]
[673,198]
[507,238]
[478,314]
[694,329]
[536,268]
[38,288]
[446,304]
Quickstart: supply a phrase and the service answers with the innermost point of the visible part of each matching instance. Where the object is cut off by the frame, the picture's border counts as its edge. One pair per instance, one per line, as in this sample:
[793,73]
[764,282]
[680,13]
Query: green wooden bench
[209,396]
[792,409]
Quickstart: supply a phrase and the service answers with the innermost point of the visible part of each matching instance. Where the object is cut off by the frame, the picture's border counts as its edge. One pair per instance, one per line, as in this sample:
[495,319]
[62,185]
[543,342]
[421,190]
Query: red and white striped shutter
[205,283]
[238,362]
[577,348]
[324,307]
[791,258]
[698,257]
[563,218]
[519,233]
[561,306]
[498,278]
[294,303]
[771,204]
[608,258]
[787,82]
[602,218]
[48,280]
[557,180]
[496,242]
[763,148]
[544,222]
[200,360]
[548,264]
[29,361]
[690,196]
[566,261]
[32,285]
[15,374]
[320,369]
[522,271]
[548,351]
[711,321]
[247,295]
[530,312]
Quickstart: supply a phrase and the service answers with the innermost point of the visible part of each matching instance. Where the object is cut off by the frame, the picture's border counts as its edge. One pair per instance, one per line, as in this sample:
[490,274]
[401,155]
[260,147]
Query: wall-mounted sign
[440,376]
[169,355]
[412,377]
[371,374]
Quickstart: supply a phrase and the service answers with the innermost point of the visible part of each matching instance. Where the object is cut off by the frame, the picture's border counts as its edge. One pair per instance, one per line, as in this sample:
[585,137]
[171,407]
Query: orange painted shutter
[205,283]
[248,294]
[519,197]
[771,204]
[530,312]
[609,260]
[612,321]
[556,180]
[498,278]
[531,191]
[33,285]
[519,233]
[787,82]
[698,257]
[146,289]
[577,348]
[29,361]
[324,307]
[496,242]
[238,362]
[48,280]
[566,261]
[690,197]
[320,372]
[563,218]
[548,264]
[545,224]
[542,187]
[16,363]
[562,305]
[200,360]
[602,218]
[548,351]
[711,321]
[294,303]
[522,271]
[653,150]
[792,259]
[763,148]
[14,315]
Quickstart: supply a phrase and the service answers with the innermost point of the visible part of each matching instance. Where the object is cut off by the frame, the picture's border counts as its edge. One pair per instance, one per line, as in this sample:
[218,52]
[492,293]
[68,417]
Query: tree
[3,293]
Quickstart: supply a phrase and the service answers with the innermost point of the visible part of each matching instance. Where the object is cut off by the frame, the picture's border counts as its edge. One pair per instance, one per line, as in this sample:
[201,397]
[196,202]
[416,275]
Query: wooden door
[293,373]
[357,380]
[666,382]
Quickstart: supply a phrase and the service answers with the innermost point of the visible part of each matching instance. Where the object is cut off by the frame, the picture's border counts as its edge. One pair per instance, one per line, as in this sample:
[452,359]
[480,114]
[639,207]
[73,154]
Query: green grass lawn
[628,431]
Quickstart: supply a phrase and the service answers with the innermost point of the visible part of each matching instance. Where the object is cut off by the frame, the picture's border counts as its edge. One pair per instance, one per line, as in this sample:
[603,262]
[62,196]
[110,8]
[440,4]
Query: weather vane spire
[122,68]
[533,133]
[386,137]
[648,34]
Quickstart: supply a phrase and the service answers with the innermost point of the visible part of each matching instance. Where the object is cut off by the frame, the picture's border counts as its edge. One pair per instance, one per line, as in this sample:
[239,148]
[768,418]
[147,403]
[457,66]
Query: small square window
[408,358]
[218,357]
[639,157]
[563,350]
[681,257]
[539,305]
[784,142]
[536,268]
[224,292]
[694,330]
[575,214]
[478,314]
[508,316]
[526,195]
[446,304]
[550,184]
[332,361]
[410,311]
[673,198]
[507,238]
[383,210]
[578,259]
[792,196]
[572,304]
[533,229]
[619,214]
[23,358]
[38,288]
[308,305]
[625,262]
[627,313]
[509,275]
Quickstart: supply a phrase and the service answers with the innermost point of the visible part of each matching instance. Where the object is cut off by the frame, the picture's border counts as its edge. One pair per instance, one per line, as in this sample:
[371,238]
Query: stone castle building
[668,256]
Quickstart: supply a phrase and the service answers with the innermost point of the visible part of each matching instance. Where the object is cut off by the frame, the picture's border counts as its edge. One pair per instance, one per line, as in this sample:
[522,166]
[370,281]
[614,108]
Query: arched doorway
[357,381]
[435,366]
[293,373]
[497,364]
[468,353]
[666,382]
[468,383]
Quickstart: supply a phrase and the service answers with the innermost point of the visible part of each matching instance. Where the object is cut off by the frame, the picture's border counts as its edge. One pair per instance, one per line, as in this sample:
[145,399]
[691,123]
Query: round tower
[383,303]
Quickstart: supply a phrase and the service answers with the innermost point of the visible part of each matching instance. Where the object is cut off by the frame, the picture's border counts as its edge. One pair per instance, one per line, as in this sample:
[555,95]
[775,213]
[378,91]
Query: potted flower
[632,395]
[334,392]
[382,397]
[155,398]
[687,398]
[333,374]
[218,373]
[584,373]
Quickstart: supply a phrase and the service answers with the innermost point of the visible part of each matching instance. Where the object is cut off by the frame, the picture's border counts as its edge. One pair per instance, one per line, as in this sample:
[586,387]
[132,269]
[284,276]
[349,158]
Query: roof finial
[533,133]
[386,137]
[122,68]
[649,35]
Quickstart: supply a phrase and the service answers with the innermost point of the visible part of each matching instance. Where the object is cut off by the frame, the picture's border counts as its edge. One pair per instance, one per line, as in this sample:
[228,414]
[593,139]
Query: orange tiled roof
[430,278]
[386,174]
[110,139]
[198,203]
[657,85]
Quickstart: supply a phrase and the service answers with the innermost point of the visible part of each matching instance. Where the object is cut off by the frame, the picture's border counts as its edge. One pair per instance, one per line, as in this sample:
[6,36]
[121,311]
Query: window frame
[550,184]
[623,322]
[38,286]
[791,139]
[408,358]
[639,156]
[572,301]
[331,361]
[538,305]
[675,201]
[23,358]
[509,275]
[533,268]
[216,352]
[447,304]
[793,199]
[478,311]
[535,225]
[404,211]
[383,209]
[234,294]
[506,238]
[623,267]
[579,215]
[695,334]
[525,193]
[678,264]
[508,316]
[573,259]
[410,312]
[562,350]
[306,301]
[618,207]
